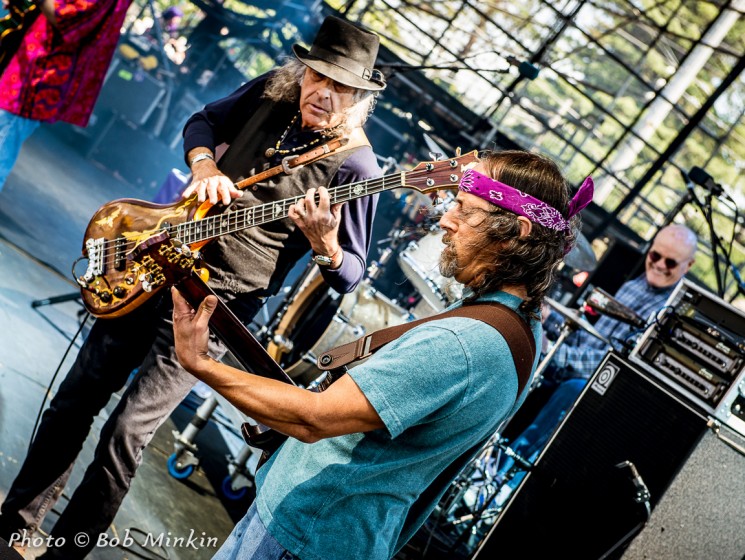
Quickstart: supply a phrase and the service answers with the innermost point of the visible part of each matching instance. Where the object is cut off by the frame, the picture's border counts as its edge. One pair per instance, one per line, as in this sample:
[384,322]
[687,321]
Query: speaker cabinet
[130,92]
[576,501]
[702,514]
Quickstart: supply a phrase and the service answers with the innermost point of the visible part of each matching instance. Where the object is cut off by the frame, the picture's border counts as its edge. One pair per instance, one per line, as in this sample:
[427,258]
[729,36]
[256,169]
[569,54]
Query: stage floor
[44,209]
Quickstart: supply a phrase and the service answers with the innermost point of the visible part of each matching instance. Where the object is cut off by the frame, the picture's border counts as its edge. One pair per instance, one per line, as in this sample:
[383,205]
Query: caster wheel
[176,472]
[229,493]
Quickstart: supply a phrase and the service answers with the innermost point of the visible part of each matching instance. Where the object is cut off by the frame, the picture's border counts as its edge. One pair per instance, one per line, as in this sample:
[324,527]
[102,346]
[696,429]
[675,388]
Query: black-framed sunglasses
[654,256]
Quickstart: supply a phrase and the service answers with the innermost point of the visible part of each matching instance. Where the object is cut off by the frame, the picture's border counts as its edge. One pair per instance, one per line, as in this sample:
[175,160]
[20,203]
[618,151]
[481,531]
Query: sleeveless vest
[255,261]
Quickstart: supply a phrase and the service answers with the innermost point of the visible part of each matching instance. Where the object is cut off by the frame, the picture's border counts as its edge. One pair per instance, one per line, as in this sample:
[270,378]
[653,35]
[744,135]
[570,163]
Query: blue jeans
[14,131]
[250,540]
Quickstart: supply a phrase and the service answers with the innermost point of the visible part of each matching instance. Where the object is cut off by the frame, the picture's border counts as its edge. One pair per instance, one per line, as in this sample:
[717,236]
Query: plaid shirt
[581,353]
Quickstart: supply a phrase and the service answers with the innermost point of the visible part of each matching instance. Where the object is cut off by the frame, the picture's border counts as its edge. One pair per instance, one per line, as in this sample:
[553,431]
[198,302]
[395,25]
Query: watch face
[322,260]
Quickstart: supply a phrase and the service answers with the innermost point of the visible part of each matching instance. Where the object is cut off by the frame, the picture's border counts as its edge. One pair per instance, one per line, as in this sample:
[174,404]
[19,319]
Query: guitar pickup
[120,253]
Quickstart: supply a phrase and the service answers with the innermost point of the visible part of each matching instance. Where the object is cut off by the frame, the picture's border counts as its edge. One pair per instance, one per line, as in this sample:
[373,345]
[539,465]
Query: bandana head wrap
[523,204]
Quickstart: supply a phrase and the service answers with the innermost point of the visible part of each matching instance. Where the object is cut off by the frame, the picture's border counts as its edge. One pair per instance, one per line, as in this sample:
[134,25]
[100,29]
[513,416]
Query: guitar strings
[260,214]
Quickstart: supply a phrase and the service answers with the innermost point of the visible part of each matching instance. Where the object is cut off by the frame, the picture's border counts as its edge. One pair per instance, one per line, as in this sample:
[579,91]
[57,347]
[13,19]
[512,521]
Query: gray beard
[448,262]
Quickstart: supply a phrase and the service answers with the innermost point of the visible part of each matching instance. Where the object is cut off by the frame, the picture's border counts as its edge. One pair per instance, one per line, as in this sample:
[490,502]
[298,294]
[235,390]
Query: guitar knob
[120,292]
[105,297]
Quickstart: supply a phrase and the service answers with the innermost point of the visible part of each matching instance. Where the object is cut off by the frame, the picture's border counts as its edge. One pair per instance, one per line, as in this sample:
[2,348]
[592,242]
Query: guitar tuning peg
[457,151]
[436,156]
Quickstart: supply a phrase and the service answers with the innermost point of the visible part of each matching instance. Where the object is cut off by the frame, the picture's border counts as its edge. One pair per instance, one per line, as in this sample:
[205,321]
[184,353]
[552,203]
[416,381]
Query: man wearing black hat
[325,94]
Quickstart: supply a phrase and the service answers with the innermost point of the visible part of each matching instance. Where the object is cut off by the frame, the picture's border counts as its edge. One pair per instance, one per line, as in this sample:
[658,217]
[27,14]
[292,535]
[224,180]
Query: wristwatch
[323,260]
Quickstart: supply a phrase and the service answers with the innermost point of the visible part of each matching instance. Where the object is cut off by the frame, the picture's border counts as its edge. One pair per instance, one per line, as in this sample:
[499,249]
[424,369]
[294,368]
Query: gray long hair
[284,85]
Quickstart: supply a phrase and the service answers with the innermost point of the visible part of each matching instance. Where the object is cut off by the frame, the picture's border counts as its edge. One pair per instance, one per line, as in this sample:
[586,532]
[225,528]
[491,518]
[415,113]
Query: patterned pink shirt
[57,73]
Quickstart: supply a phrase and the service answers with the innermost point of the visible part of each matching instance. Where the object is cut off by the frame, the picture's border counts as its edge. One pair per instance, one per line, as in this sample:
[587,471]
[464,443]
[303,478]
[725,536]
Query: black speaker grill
[576,501]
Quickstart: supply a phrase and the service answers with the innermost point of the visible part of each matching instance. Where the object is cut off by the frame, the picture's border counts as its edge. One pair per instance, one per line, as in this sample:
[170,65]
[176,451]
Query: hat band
[342,62]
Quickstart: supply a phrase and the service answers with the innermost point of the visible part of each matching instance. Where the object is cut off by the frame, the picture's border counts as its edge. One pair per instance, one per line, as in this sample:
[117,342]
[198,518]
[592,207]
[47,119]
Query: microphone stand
[717,244]
[706,210]
[714,240]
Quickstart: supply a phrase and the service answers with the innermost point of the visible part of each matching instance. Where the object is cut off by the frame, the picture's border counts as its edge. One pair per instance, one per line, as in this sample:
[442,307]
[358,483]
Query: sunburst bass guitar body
[118,278]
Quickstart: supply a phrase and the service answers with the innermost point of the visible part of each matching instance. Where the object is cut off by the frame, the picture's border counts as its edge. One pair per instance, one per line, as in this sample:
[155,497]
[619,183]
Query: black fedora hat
[345,53]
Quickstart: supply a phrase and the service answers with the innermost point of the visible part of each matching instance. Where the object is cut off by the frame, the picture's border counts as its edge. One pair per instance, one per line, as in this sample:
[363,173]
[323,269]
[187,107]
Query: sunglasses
[654,256]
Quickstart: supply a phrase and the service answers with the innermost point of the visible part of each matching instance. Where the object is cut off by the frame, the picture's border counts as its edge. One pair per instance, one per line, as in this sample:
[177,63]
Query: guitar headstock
[431,176]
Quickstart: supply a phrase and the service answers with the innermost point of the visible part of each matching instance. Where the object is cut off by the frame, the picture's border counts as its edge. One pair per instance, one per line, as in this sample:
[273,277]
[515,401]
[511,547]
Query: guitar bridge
[120,255]
[95,250]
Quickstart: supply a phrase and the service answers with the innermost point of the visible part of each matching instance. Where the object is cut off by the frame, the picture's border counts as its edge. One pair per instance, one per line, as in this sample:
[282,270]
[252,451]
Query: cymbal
[581,257]
[573,317]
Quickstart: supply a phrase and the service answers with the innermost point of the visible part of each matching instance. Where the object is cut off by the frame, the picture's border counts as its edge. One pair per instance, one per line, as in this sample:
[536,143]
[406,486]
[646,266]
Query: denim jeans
[250,540]
[112,350]
[14,131]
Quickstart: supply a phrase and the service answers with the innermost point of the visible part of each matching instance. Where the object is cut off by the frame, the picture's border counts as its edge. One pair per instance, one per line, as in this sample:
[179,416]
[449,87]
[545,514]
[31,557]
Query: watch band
[323,260]
[200,157]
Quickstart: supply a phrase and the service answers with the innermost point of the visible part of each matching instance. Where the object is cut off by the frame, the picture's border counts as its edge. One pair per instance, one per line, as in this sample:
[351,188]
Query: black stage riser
[576,503]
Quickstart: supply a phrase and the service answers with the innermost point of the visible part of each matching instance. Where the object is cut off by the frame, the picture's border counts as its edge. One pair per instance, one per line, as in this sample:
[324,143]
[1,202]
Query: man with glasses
[668,260]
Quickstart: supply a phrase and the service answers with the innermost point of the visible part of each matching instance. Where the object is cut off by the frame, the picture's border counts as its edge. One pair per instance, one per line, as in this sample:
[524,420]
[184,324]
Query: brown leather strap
[291,163]
[509,324]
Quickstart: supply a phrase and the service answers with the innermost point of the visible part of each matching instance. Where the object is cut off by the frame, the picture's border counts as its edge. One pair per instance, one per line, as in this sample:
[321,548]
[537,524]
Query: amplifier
[579,500]
[130,92]
[697,347]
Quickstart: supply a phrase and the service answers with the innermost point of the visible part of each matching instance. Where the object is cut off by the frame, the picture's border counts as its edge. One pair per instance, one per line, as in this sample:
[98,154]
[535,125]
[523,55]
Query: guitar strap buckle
[290,169]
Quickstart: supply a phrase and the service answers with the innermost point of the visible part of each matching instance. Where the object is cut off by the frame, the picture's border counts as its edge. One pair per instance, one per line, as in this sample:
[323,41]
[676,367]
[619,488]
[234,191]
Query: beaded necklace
[276,149]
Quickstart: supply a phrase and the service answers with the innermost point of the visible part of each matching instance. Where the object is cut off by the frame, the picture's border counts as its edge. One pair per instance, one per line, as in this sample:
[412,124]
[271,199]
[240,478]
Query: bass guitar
[13,26]
[121,274]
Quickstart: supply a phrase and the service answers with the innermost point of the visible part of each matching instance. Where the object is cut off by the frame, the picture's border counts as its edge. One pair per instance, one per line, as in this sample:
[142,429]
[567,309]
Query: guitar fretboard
[243,218]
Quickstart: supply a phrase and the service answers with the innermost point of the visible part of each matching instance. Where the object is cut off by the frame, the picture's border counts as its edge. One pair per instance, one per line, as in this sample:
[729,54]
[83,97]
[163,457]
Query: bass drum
[420,263]
[319,319]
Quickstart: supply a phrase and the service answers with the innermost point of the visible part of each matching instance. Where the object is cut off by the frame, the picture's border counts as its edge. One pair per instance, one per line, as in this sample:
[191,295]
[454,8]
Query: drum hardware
[581,257]
[357,330]
[318,319]
[309,358]
[572,320]
[285,344]
[475,498]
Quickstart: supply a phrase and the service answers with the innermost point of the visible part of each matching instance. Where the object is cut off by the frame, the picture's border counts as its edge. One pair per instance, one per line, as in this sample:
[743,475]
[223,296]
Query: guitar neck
[231,222]
[233,333]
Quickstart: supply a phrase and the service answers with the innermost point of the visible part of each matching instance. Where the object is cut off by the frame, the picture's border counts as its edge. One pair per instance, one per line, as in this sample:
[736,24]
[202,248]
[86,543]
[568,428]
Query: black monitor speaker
[579,500]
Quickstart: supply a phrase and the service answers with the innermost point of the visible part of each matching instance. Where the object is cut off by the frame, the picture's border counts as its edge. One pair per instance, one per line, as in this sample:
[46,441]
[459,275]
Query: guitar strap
[292,163]
[510,325]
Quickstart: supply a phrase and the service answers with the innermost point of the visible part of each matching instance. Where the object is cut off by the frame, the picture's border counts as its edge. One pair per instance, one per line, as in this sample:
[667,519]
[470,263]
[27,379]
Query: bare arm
[299,413]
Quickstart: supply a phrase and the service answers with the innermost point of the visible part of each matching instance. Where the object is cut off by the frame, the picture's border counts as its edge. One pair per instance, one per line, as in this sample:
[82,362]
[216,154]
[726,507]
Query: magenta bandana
[523,204]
